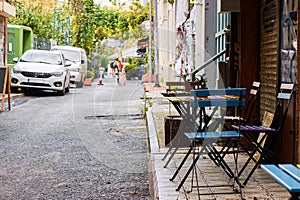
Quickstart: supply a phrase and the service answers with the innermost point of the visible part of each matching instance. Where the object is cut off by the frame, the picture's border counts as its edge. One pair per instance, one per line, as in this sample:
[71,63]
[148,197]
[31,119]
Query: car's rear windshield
[70,54]
[42,57]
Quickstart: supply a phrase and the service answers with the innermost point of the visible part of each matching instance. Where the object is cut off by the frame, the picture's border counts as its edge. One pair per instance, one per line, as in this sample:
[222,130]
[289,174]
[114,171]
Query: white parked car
[78,57]
[47,70]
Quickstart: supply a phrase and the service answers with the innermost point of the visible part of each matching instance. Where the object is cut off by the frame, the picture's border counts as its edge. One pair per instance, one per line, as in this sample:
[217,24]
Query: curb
[13,96]
[154,148]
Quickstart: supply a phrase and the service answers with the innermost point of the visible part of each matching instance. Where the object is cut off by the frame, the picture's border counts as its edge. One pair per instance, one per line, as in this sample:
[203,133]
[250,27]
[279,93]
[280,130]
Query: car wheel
[67,89]
[62,92]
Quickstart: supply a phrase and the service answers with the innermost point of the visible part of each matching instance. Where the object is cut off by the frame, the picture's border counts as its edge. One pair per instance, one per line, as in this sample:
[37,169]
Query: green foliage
[130,60]
[81,23]
[81,12]
[104,61]
[34,17]
[130,67]
[171,2]
[138,61]
[141,60]
[90,74]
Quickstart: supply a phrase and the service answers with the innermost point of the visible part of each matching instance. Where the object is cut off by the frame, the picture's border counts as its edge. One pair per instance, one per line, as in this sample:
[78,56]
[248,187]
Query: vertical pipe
[199,33]
[156,58]
[150,42]
[54,22]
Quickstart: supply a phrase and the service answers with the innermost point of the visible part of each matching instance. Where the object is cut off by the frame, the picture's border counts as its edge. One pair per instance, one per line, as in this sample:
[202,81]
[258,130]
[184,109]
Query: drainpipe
[199,32]
[156,58]
[150,43]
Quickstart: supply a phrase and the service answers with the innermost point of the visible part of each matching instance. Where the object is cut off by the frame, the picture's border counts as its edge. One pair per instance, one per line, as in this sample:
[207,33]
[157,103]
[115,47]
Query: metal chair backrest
[285,94]
[253,97]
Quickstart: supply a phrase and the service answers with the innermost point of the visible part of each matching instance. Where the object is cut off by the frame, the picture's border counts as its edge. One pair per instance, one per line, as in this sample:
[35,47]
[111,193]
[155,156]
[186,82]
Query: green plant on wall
[202,81]
[171,2]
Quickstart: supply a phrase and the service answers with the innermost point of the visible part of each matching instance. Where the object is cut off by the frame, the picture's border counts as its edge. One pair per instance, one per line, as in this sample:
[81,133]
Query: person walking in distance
[114,66]
[121,73]
[115,70]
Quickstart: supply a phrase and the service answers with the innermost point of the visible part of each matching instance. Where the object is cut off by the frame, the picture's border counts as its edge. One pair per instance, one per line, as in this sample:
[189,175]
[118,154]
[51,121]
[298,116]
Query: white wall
[203,19]
[166,27]
[210,29]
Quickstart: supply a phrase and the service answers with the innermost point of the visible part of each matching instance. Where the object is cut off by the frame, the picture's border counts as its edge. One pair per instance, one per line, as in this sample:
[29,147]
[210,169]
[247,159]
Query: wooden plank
[284,96]
[225,91]
[256,84]
[291,170]
[282,177]
[286,86]
[253,91]
[211,135]
[176,83]
[221,103]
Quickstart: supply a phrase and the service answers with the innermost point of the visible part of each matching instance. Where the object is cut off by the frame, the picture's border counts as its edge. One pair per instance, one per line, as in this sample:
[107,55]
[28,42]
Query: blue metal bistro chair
[265,135]
[205,138]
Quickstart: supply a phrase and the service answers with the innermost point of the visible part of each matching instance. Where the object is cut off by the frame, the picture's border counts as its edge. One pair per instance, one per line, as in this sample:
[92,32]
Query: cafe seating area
[212,142]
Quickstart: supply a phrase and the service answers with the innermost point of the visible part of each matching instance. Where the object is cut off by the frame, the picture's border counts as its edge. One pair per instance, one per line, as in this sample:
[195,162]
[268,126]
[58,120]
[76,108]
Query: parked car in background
[78,57]
[41,69]
[134,72]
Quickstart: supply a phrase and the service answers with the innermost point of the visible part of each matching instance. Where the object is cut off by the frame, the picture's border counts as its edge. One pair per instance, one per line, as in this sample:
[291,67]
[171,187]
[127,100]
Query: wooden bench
[180,88]
[287,175]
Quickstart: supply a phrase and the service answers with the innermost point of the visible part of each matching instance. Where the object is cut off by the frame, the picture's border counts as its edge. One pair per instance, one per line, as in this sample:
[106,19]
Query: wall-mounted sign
[6,9]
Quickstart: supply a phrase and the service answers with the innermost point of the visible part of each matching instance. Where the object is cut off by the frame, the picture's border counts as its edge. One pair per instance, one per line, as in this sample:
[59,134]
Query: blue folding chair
[261,145]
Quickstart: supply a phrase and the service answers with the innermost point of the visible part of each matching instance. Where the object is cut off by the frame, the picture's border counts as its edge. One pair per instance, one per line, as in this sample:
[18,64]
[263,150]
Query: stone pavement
[260,186]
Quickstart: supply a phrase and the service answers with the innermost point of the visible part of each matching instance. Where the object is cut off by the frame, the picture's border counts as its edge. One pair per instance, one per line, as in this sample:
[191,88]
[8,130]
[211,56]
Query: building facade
[6,10]
[260,42]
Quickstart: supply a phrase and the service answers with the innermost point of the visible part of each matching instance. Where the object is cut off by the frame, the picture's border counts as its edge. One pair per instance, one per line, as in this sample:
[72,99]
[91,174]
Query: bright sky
[103,2]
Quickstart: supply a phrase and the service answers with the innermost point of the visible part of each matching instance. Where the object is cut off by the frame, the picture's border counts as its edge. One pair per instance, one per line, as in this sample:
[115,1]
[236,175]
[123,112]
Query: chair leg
[251,155]
[170,158]
[182,163]
[263,155]
[166,155]
[191,168]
